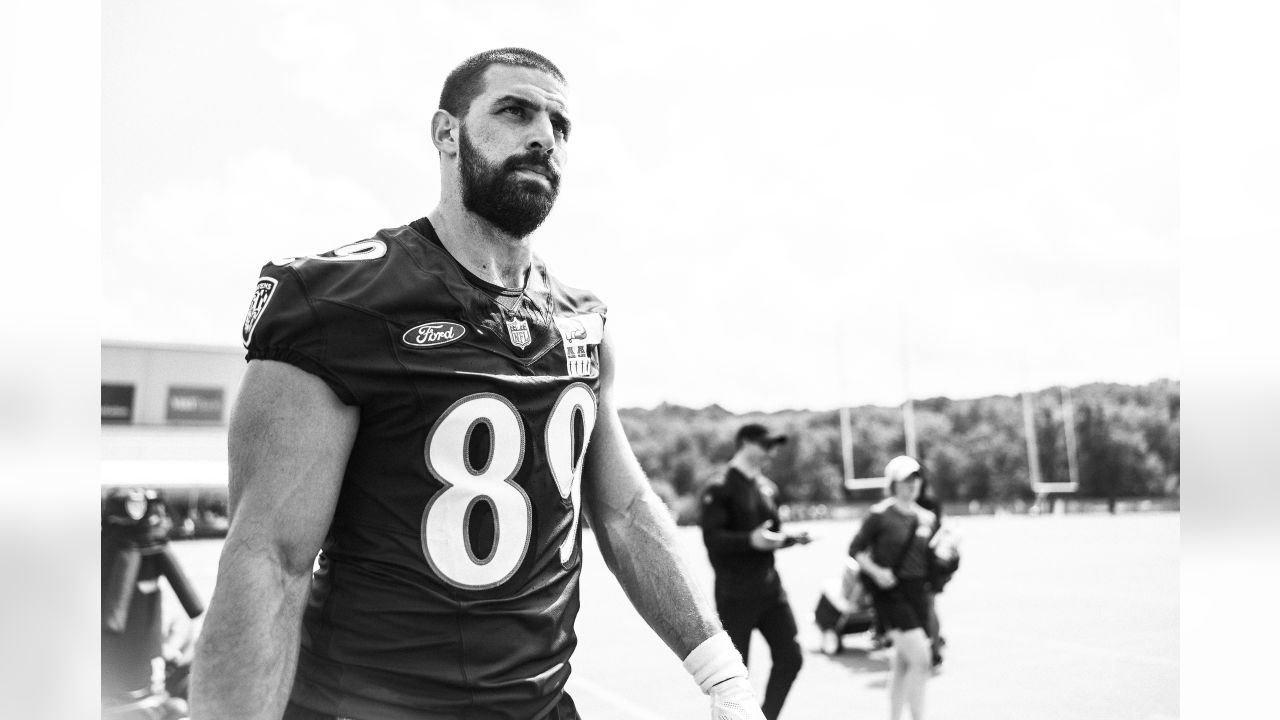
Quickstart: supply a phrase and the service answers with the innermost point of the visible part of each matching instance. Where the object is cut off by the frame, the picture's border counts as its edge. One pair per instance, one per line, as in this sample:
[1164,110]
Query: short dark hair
[465,82]
[759,435]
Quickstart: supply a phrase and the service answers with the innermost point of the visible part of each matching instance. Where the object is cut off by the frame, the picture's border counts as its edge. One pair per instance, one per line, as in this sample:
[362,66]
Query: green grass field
[1052,618]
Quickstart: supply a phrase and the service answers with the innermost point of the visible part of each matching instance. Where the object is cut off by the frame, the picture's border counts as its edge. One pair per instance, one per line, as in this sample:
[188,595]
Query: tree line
[1126,445]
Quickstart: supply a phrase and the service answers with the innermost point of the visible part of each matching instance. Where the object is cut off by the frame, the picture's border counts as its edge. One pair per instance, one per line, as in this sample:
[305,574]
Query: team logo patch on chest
[257,304]
[581,333]
[433,334]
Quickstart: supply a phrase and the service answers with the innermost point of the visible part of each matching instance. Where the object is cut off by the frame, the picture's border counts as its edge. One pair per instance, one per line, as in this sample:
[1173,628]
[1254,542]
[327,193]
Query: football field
[1050,617]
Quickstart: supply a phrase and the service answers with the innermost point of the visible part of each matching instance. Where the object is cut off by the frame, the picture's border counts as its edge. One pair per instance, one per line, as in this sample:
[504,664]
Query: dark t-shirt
[448,582]
[886,531]
[731,509]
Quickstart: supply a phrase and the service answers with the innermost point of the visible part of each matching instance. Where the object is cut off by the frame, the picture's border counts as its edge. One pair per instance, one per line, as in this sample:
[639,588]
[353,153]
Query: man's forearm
[864,560]
[248,649]
[727,541]
[640,547]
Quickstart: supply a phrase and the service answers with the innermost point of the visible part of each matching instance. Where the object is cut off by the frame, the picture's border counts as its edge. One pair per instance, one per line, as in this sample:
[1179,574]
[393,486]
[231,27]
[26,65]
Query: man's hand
[884,577]
[762,538]
[179,644]
[734,699]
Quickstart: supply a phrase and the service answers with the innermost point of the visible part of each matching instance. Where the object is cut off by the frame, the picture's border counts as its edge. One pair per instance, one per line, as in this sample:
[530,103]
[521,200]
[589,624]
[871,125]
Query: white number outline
[436,560]
[370,249]
[570,487]
[558,446]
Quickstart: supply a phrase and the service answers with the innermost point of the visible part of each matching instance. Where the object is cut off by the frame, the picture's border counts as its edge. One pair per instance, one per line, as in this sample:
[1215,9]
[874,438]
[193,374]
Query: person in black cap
[741,529]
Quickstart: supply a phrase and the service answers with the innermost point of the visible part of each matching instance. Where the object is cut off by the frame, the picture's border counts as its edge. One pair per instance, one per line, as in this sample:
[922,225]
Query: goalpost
[846,452]
[1045,491]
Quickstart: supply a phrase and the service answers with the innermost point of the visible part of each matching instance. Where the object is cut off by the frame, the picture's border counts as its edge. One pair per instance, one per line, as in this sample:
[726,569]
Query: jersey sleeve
[284,324]
[717,536]
[866,534]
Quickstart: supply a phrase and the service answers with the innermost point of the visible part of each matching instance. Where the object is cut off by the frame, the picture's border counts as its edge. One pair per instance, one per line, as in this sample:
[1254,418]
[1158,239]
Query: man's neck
[483,249]
[744,466]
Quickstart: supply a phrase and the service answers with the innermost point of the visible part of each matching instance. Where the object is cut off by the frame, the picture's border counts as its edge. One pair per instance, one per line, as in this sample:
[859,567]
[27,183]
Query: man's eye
[515,111]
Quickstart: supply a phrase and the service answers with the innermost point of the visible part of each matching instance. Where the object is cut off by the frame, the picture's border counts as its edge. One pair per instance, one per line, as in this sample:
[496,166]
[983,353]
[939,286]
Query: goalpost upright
[1045,490]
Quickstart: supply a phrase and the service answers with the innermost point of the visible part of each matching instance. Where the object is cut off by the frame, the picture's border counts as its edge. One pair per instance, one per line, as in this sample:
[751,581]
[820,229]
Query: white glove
[717,668]
[734,699]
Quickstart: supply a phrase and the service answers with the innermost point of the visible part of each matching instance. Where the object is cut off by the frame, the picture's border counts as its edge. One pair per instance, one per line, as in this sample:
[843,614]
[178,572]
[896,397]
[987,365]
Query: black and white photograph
[638,361]
[784,359]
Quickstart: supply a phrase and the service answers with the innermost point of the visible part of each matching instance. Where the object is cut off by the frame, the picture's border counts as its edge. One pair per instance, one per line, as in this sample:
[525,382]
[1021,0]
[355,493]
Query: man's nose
[542,136]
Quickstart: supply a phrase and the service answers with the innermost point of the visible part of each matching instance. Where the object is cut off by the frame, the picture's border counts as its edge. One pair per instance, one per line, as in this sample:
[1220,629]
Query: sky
[784,206]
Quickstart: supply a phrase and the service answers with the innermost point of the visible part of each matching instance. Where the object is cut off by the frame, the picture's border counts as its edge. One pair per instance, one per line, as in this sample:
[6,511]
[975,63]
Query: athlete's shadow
[860,657]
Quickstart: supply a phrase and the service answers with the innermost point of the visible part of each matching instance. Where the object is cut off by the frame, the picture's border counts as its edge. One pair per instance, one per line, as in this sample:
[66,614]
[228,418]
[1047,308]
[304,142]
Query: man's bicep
[289,440]
[611,477]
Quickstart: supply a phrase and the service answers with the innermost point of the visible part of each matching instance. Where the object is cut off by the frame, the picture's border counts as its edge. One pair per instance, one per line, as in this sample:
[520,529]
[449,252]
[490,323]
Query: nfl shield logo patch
[261,296]
[581,334]
[518,332]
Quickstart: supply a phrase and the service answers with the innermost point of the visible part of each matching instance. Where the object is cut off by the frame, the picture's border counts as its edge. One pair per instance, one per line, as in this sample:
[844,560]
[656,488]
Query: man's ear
[445,129]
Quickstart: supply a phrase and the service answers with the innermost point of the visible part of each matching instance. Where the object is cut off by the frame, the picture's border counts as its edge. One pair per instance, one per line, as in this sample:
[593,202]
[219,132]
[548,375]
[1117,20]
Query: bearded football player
[425,417]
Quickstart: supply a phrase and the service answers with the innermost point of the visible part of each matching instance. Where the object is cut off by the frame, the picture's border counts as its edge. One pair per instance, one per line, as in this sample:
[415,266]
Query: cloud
[182,267]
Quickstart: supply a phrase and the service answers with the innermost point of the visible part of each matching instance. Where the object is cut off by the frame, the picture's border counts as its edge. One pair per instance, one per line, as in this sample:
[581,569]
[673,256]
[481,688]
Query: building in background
[165,410]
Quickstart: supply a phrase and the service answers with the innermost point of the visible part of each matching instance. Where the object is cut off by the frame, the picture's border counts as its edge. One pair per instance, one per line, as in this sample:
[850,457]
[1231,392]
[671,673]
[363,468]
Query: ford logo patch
[434,334]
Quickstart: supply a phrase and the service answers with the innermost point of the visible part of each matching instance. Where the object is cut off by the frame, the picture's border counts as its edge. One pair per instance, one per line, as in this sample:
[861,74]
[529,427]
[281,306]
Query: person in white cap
[892,548]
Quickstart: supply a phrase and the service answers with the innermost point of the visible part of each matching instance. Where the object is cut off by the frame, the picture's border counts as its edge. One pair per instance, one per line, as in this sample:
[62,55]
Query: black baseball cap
[758,434]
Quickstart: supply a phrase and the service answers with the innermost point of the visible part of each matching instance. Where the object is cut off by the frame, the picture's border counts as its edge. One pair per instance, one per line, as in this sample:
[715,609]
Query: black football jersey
[448,583]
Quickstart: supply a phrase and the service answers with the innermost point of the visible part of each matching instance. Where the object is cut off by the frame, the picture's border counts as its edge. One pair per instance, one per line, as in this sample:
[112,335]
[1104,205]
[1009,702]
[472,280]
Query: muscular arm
[636,534]
[289,440]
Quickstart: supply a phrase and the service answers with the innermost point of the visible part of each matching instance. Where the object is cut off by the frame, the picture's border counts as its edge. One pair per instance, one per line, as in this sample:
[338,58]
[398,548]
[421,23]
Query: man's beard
[515,205]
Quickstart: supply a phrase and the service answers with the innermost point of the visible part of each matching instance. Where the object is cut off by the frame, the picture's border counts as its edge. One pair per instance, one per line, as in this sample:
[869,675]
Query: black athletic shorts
[904,606]
[564,710]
